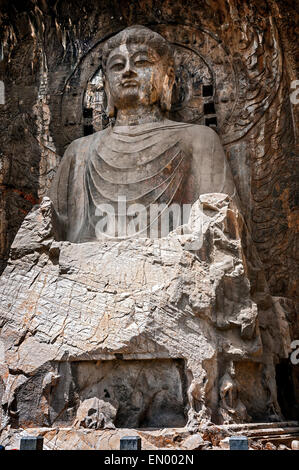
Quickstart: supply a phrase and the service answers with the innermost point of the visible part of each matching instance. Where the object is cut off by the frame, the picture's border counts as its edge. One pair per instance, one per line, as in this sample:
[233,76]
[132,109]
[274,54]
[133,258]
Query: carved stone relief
[233,67]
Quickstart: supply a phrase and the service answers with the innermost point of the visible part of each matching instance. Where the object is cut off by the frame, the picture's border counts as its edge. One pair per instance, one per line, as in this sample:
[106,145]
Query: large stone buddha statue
[144,158]
[154,331]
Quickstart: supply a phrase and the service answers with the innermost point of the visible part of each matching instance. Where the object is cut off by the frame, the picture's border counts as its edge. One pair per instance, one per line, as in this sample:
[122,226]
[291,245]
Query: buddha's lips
[128,83]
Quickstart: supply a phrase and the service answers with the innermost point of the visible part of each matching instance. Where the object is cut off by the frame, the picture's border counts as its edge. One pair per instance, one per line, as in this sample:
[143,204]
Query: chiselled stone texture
[234,66]
[244,51]
[91,439]
[66,307]
[261,436]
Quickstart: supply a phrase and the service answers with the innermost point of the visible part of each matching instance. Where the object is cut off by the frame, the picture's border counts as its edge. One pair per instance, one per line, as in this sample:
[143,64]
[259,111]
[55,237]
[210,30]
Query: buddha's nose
[129,70]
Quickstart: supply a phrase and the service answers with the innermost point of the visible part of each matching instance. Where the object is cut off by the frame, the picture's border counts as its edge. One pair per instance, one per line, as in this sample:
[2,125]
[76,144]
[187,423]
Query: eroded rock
[295,445]
[68,309]
[95,414]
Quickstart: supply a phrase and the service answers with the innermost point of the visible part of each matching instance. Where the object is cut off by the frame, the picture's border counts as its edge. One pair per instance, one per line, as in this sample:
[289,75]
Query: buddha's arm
[67,191]
[58,192]
[210,167]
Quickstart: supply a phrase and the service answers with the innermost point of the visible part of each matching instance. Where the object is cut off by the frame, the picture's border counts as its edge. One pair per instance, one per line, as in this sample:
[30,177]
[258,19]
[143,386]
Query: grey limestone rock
[132,305]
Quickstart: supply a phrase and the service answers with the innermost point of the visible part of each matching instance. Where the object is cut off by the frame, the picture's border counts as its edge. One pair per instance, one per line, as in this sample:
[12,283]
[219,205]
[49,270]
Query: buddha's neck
[139,115]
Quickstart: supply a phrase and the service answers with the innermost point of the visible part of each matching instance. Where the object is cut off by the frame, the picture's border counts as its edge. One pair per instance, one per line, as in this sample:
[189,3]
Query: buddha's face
[136,75]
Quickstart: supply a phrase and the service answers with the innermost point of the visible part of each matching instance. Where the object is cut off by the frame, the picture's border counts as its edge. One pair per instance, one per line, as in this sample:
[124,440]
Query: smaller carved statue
[94,413]
[231,408]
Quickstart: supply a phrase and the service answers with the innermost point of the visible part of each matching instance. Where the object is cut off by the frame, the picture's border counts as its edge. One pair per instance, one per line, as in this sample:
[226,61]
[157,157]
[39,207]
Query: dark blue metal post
[238,443]
[32,443]
[130,443]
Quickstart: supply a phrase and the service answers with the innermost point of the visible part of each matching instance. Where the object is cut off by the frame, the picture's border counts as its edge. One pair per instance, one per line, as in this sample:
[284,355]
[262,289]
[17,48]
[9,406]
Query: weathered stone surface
[295,445]
[234,63]
[194,442]
[92,439]
[237,50]
[282,447]
[124,180]
[212,437]
[181,321]
[224,443]
[270,446]
[95,414]
[233,59]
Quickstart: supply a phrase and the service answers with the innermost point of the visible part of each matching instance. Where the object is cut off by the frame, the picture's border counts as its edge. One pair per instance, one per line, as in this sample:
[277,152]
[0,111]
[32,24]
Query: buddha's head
[138,69]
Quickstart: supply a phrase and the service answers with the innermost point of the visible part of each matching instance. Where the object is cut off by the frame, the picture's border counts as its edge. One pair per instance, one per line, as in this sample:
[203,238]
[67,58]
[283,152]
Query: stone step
[276,433]
[257,426]
[271,432]
[285,439]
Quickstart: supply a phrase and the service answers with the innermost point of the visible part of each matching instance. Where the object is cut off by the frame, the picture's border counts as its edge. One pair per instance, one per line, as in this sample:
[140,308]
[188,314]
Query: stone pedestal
[137,333]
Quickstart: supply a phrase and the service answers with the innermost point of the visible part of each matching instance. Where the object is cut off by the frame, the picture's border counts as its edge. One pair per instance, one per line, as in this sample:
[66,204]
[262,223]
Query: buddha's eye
[142,62]
[116,66]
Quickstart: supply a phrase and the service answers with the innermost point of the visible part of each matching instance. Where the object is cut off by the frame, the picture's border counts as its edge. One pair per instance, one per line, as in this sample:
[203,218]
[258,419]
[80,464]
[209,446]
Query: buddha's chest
[140,170]
[136,180]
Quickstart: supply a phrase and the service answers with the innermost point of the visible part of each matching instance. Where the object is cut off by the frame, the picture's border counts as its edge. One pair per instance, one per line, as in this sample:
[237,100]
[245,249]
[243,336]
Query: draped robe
[144,164]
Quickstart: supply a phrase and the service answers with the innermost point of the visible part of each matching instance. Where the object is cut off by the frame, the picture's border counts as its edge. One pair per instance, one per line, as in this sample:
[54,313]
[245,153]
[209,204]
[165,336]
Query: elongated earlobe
[110,110]
[166,96]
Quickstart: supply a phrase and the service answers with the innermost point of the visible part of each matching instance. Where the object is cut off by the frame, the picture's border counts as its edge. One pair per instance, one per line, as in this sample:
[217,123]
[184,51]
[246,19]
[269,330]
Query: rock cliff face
[216,327]
[143,332]
[237,61]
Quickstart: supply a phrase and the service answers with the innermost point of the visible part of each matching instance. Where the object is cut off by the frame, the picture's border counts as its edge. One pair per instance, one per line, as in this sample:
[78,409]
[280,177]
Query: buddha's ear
[110,110]
[167,90]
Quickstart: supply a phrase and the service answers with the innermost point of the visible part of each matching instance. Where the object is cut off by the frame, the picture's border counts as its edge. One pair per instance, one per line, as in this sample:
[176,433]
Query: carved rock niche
[167,332]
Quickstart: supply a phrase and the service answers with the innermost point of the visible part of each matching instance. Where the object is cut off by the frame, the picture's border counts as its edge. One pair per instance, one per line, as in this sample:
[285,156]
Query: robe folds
[120,167]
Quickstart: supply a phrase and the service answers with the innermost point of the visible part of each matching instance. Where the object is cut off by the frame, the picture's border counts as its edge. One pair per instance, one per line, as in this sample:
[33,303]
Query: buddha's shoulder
[197,139]
[198,132]
[80,147]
